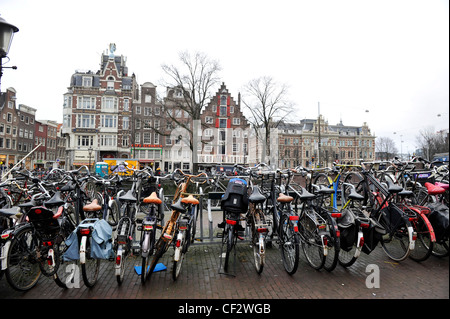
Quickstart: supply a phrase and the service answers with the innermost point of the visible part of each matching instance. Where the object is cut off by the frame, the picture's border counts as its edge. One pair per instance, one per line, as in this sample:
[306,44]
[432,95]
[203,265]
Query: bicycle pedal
[240,237]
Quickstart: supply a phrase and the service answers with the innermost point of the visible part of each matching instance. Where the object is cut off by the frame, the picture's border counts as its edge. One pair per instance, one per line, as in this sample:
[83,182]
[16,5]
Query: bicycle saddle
[55,200]
[282,198]
[325,190]
[178,207]
[434,189]
[306,195]
[92,207]
[354,195]
[256,196]
[128,197]
[152,199]
[190,200]
[392,188]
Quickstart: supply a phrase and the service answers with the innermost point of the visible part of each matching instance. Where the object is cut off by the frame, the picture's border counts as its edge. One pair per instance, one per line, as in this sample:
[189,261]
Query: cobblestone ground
[201,278]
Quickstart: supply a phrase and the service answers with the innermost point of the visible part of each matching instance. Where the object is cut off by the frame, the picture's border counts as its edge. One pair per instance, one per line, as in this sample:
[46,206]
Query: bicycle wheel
[289,243]
[179,255]
[322,179]
[67,273]
[423,246]
[90,268]
[441,248]
[23,271]
[146,252]
[229,239]
[160,249]
[333,244]
[193,223]
[259,250]
[311,242]
[396,241]
[356,180]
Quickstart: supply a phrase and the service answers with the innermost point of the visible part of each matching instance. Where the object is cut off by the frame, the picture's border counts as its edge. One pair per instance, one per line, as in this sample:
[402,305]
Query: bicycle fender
[83,250]
[145,245]
[4,255]
[178,249]
[325,247]
[412,242]
[116,265]
[359,244]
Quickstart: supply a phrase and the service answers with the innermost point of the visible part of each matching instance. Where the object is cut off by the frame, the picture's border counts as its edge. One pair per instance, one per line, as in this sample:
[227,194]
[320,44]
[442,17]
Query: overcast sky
[389,57]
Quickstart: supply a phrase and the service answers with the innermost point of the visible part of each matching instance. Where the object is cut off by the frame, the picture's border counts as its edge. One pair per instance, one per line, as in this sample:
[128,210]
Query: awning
[146,161]
[81,164]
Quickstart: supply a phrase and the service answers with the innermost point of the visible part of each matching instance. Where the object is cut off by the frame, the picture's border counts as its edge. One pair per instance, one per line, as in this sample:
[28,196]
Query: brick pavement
[201,279]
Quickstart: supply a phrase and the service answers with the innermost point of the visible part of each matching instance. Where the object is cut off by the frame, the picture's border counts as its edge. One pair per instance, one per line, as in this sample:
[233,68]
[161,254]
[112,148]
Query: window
[110,86]
[223,100]
[137,138]
[109,121]
[148,98]
[138,110]
[209,120]
[87,81]
[147,138]
[108,140]
[157,111]
[125,123]
[109,103]
[236,121]
[86,102]
[125,140]
[85,140]
[147,123]
[9,117]
[83,121]
[223,110]
[147,111]
[235,147]
[126,104]
[223,123]
[156,138]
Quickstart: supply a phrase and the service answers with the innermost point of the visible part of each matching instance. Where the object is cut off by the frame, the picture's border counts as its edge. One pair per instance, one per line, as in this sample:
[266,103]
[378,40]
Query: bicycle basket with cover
[235,199]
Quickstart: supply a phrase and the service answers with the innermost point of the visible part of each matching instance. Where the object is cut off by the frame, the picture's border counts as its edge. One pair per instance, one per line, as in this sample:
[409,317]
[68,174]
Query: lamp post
[7,31]
[90,153]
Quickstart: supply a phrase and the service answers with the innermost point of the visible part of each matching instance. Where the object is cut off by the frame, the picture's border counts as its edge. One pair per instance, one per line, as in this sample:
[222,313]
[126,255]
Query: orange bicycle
[181,226]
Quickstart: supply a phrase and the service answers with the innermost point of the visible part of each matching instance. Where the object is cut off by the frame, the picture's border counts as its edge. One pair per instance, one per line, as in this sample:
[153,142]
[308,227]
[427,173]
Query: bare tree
[385,147]
[432,142]
[268,104]
[194,79]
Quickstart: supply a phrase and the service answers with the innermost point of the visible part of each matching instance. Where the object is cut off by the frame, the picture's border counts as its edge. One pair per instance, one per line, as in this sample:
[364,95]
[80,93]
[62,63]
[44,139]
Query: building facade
[301,143]
[97,112]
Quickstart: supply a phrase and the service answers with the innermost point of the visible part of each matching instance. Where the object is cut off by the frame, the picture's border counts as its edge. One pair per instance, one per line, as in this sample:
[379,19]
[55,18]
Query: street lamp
[7,31]
[90,153]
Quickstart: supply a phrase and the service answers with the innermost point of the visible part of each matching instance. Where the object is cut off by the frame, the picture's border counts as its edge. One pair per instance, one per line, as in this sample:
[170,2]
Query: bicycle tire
[91,268]
[423,246]
[441,248]
[23,271]
[161,247]
[65,272]
[311,242]
[333,243]
[176,269]
[229,242]
[322,179]
[395,242]
[289,244]
[145,262]
[193,224]
[358,181]
[113,213]
[258,251]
